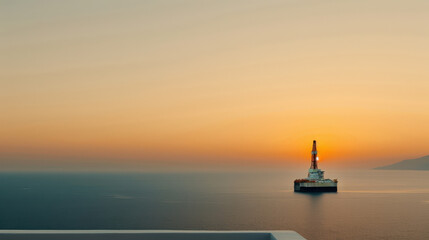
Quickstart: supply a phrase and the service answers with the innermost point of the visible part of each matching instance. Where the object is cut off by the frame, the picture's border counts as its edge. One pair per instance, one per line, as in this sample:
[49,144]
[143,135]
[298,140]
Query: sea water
[370,204]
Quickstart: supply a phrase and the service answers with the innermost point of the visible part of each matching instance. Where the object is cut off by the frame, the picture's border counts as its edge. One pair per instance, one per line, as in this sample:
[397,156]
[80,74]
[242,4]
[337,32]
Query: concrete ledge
[146,235]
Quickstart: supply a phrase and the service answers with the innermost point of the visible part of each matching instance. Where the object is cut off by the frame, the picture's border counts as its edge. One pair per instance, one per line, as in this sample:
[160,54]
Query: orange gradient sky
[188,84]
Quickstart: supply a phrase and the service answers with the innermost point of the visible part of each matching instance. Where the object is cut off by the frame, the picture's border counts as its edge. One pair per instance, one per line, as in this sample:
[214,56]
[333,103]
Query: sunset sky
[147,85]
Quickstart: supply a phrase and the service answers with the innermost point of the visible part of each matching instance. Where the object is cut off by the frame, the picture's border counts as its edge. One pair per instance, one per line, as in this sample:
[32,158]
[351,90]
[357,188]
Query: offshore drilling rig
[315,182]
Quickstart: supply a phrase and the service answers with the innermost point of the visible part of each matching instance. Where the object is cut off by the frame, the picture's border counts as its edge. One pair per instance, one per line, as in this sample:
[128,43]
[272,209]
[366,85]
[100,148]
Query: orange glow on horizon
[220,84]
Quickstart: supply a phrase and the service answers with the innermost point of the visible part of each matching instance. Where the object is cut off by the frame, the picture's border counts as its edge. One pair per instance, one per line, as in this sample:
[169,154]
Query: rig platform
[315,182]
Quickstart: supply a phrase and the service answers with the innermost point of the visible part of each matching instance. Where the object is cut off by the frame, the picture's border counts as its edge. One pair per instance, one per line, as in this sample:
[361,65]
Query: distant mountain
[412,164]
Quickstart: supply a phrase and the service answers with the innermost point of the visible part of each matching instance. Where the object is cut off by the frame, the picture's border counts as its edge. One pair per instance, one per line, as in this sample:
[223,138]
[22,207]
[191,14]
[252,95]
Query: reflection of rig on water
[315,182]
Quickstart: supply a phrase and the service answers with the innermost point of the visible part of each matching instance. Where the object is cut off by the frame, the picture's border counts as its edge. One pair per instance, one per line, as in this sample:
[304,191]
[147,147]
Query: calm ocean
[369,205]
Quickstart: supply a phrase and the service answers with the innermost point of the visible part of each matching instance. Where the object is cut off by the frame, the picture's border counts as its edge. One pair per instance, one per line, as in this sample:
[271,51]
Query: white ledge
[146,235]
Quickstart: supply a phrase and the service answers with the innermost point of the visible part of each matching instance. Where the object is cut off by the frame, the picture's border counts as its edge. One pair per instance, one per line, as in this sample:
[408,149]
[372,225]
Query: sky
[153,85]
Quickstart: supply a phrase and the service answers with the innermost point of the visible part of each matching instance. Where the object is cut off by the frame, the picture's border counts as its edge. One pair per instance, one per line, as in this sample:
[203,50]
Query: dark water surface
[369,205]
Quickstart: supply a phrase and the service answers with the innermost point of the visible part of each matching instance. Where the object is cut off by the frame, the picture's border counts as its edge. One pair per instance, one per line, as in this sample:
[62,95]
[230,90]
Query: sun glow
[221,83]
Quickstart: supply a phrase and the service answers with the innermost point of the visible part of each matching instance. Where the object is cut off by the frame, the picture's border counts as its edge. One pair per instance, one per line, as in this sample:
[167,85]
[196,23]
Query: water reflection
[316,215]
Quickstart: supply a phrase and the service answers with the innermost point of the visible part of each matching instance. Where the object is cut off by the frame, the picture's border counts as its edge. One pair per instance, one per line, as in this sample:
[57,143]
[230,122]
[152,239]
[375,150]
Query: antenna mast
[314,156]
